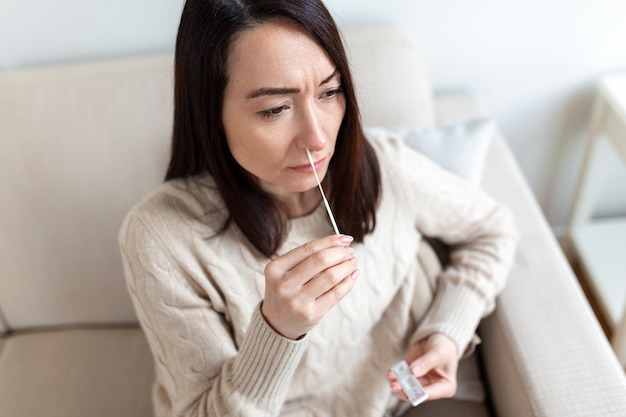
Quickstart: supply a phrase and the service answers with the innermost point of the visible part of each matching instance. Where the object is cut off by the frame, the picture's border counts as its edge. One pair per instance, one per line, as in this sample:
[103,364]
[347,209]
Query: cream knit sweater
[197,295]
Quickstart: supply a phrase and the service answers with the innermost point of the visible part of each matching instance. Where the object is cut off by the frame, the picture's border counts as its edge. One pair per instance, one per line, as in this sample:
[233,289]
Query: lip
[306,168]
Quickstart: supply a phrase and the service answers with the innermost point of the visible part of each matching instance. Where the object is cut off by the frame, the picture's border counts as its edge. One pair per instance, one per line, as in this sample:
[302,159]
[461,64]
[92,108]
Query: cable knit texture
[197,295]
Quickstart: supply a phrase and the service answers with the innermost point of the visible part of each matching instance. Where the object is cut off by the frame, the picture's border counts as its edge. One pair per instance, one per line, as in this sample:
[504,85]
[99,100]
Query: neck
[300,204]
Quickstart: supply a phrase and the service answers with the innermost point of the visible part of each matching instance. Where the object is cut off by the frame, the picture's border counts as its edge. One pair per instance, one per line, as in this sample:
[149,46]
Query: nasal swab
[330,213]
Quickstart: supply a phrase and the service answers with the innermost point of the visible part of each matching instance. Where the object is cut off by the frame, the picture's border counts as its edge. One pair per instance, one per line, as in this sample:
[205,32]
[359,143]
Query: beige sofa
[81,143]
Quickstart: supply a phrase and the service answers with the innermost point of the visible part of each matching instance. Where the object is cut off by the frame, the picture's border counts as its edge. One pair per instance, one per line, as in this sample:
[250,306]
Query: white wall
[532,61]
[49,31]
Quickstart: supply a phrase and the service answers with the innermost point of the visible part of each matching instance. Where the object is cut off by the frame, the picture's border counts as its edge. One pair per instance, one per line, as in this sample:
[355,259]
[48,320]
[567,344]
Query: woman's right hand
[302,285]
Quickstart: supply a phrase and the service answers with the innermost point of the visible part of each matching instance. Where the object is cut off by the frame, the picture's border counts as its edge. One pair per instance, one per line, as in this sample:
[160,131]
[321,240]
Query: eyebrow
[270,91]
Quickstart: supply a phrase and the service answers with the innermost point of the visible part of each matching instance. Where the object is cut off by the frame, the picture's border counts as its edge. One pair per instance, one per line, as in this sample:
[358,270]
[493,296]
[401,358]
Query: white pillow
[459,148]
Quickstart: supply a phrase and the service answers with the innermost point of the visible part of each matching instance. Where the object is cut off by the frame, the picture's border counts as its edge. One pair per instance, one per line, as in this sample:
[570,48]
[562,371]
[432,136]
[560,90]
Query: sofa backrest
[82,143]
[390,76]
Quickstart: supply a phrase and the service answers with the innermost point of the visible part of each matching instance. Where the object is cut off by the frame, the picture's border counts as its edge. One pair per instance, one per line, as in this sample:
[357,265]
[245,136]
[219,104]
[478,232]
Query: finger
[442,374]
[294,257]
[425,363]
[320,263]
[331,297]
[330,277]
[397,389]
[442,388]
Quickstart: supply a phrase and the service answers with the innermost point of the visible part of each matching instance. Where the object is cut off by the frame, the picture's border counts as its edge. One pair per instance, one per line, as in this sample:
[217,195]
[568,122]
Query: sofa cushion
[67,373]
[448,408]
[106,372]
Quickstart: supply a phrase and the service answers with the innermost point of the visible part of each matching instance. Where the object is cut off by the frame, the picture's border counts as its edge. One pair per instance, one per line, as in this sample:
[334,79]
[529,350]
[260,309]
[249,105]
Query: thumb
[423,364]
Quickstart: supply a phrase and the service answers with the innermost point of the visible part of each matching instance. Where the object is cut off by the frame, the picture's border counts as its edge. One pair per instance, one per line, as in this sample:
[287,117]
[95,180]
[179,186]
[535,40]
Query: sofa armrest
[544,352]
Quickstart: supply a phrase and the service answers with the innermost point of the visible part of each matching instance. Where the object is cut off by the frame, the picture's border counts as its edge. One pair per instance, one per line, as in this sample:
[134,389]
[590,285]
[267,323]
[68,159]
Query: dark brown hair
[206,31]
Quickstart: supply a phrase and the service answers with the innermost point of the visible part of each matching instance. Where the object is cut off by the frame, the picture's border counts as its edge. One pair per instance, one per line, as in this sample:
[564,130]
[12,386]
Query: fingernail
[345,239]
[354,261]
[355,274]
[350,250]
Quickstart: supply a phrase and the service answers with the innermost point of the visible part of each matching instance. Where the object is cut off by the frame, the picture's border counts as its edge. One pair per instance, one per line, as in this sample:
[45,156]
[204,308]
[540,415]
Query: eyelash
[332,94]
[278,111]
[275,112]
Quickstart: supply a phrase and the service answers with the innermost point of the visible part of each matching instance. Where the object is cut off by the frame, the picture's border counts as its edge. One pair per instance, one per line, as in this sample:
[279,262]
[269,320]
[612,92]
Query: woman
[250,303]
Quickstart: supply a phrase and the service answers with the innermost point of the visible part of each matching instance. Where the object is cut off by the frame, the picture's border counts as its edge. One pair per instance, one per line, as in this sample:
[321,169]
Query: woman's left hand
[434,360]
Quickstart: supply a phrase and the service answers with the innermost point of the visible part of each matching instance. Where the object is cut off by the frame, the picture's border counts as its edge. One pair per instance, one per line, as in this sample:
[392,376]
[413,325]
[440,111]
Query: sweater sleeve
[467,288]
[200,369]
[480,232]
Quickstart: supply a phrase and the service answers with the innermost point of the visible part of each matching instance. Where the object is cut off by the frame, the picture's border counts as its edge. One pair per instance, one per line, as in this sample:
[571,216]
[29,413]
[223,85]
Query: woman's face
[283,96]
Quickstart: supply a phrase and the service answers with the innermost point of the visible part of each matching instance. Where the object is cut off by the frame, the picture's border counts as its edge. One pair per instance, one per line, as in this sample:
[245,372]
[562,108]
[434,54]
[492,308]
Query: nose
[310,130]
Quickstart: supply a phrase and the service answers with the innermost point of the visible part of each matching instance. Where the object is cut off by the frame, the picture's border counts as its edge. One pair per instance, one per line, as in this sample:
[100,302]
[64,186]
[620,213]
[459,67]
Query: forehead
[277,52]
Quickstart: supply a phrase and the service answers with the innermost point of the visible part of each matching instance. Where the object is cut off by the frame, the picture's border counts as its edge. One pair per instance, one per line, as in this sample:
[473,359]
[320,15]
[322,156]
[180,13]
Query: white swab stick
[330,213]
